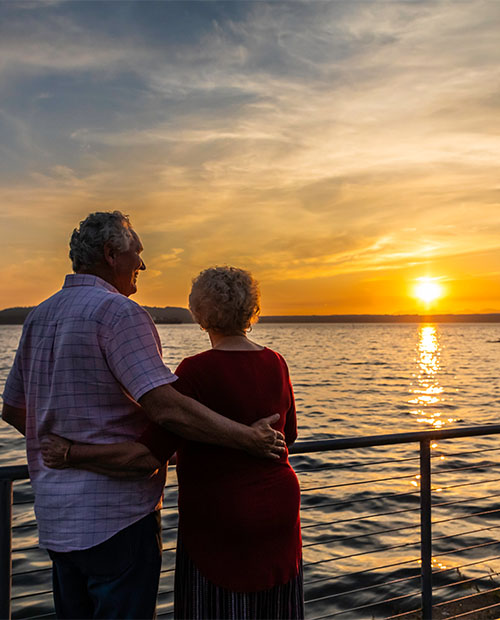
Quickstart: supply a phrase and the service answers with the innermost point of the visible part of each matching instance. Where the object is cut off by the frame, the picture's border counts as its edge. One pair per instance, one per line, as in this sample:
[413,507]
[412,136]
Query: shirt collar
[86,279]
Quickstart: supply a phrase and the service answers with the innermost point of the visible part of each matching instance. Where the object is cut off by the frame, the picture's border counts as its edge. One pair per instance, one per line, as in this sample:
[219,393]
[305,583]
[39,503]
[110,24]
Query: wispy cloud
[303,140]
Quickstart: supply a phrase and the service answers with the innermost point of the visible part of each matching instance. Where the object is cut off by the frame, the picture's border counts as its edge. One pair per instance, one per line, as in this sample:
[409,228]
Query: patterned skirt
[196,598]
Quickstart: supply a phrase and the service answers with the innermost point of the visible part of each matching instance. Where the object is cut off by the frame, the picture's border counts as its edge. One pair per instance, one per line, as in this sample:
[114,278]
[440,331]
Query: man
[89,368]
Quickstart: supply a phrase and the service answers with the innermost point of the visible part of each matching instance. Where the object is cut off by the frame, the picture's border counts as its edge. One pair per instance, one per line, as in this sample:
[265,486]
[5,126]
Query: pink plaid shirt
[86,356]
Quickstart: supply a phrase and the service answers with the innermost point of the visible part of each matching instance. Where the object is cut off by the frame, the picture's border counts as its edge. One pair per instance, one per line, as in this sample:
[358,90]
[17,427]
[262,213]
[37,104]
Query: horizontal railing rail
[14,472]
[370,441]
[9,474]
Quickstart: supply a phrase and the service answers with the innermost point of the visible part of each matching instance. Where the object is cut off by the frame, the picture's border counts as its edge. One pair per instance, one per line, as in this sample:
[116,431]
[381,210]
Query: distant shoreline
[384,318]
[175,316]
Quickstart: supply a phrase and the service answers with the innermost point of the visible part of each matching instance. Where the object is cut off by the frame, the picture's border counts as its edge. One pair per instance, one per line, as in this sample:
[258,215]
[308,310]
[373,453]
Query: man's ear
[109,254]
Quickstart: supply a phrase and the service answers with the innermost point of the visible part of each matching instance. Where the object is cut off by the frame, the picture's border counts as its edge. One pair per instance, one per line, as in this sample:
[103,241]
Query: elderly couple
[102,416]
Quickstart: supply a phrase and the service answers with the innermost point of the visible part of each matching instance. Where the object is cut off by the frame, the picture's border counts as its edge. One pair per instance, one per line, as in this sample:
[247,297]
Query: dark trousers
[116,579]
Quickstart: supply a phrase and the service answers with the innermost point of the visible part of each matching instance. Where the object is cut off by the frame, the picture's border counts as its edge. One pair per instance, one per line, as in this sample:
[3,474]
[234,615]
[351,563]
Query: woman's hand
[55,451]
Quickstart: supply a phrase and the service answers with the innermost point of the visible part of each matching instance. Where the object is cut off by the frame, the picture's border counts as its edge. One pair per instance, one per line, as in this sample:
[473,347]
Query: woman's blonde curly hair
[225,299]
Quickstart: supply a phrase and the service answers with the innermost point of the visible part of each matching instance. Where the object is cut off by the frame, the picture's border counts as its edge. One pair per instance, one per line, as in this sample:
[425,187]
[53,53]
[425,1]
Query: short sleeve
[133,352]
[186,383]
[13,393]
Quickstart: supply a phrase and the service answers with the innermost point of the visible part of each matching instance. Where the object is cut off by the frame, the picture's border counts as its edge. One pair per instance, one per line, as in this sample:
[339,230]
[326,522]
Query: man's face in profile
[128,265]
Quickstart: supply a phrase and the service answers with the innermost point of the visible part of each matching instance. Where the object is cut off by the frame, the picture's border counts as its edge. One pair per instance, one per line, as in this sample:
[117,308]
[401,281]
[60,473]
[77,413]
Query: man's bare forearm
[15,416]
[190,419]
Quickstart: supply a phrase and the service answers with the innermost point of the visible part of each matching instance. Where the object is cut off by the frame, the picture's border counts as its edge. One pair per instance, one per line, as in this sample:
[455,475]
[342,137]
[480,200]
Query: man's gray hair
[87,242]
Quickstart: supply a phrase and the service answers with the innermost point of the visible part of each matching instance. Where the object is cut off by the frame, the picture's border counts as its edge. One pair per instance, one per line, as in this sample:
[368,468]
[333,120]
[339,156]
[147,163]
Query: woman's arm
[128,459]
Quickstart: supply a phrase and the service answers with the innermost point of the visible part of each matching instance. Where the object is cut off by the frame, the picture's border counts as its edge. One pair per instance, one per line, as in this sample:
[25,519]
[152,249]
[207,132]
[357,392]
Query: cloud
[303,140]
[168,260]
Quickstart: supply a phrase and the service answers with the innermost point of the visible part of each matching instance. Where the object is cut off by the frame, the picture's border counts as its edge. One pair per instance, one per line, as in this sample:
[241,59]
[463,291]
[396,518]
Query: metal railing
[424,439]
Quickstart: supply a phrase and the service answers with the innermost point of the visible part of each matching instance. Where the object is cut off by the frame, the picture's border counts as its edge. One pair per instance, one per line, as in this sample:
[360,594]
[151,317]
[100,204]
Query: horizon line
[178,314]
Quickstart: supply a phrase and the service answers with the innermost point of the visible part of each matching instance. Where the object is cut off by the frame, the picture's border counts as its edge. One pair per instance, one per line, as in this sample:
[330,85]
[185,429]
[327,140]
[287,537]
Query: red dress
[238,514]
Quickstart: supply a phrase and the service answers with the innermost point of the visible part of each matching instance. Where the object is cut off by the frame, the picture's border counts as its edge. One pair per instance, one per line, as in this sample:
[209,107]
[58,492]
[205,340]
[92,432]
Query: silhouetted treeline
[17,316]
[14,316]
[173,315]
[169,315]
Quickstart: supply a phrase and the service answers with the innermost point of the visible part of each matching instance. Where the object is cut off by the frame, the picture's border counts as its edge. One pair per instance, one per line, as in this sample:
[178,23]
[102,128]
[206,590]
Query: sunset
[250,309]
[427,290]
[340,151]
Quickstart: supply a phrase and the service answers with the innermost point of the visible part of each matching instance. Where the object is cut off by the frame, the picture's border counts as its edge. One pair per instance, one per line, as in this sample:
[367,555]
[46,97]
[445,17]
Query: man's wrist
[247,439]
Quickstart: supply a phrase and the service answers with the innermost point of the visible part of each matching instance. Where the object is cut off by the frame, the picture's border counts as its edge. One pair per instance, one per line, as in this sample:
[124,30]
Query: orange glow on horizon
[338,194]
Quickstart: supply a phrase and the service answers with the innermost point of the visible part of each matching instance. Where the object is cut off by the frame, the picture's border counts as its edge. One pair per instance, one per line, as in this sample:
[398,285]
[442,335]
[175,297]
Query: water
[351,379]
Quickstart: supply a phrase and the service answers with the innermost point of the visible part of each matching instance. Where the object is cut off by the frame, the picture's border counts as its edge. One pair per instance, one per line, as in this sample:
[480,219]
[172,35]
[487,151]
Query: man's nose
[143,265]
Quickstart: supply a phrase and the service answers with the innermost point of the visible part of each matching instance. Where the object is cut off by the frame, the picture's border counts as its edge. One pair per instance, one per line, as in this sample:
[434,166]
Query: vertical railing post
[426,528]
[5,546]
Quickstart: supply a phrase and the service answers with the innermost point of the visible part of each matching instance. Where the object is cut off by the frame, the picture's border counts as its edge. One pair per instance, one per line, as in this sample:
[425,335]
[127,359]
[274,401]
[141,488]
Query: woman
[239,545]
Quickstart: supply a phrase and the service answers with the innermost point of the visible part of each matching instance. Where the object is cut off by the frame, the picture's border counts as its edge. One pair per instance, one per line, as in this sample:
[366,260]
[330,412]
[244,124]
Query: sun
[427,290]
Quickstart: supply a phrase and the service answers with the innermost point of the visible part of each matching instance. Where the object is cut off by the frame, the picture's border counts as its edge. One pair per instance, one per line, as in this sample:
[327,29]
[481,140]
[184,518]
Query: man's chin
[131,290]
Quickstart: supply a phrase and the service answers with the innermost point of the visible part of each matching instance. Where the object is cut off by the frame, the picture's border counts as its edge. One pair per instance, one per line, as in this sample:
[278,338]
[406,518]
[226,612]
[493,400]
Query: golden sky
[338,149]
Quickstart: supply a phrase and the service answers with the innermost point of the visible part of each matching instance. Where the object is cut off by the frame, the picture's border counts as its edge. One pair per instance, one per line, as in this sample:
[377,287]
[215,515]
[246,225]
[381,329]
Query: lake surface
[360,512]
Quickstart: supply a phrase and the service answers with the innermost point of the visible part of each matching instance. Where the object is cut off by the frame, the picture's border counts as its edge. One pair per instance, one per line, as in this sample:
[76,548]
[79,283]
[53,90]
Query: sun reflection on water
[428,394]
[436,564]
